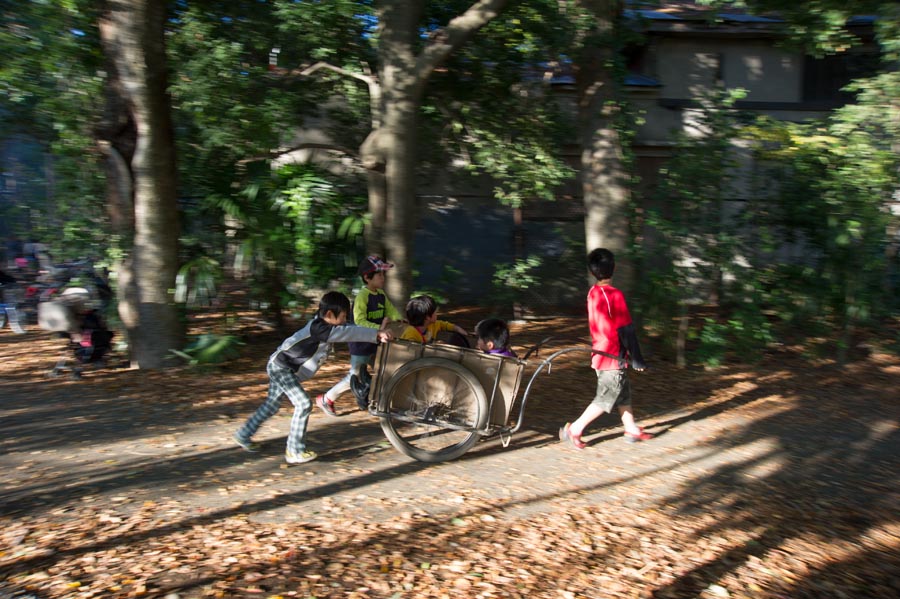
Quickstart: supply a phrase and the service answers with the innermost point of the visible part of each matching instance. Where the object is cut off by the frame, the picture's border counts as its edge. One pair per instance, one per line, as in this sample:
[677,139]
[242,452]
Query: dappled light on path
[773,480]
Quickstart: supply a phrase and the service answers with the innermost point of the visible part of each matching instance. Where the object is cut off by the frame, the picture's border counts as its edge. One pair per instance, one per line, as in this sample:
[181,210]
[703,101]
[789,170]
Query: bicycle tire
[434,409]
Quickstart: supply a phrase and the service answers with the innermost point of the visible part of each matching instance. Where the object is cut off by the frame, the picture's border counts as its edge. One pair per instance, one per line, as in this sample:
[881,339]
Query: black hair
[334,302]
[493,330]
[419,308]
[601,263]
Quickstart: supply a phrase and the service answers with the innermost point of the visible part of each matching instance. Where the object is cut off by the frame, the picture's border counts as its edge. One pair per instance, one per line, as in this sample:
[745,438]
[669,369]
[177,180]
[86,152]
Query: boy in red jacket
[613,333]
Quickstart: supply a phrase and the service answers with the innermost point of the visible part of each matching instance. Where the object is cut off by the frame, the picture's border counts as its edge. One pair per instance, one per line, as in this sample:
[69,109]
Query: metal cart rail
[436,401]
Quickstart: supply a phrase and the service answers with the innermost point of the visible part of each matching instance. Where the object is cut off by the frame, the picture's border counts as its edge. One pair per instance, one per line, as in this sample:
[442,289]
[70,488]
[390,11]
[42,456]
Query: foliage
[210,348]
[511,280]
[51,79]
[228,107]
[820,26]
[195,284]
[697,251]
[823,188]
[494,109]
[295,231]
[447,282]
[477,112]
[521,165]
[838,182]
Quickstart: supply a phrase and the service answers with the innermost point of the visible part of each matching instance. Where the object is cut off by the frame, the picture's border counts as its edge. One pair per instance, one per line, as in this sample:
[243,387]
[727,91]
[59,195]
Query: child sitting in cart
[421,313]
[492,337]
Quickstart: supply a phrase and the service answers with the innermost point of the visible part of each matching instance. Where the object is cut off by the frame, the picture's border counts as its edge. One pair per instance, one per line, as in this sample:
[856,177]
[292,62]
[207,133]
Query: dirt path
[731,443]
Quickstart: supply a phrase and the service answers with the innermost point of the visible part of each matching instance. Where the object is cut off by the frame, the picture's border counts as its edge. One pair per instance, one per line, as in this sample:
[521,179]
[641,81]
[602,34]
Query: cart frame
[436,401]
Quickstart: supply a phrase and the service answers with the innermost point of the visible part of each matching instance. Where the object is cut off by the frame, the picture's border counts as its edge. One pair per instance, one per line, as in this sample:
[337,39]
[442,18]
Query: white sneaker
[300,458]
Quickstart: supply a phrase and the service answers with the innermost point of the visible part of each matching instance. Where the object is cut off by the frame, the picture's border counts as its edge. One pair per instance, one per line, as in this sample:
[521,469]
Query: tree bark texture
[133,35]
[117,136]
[391,147]
[603,175]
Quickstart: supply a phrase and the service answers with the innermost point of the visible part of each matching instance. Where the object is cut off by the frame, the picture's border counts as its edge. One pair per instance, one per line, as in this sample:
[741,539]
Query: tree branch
[304,146]
[366,77]
[447,40]
[305,72]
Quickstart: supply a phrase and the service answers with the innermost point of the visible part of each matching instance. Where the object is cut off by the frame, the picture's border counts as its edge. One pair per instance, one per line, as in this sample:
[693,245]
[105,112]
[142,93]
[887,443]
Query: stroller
[72,315]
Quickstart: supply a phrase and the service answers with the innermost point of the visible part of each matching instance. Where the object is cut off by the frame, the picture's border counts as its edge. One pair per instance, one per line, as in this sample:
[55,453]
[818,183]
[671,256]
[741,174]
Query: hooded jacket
[304,351]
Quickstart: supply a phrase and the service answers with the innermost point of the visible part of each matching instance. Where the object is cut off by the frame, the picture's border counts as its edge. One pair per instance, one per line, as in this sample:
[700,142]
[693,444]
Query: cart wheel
[435,409]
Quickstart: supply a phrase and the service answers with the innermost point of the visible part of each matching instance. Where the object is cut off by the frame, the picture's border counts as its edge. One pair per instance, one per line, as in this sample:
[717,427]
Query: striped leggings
[282,381]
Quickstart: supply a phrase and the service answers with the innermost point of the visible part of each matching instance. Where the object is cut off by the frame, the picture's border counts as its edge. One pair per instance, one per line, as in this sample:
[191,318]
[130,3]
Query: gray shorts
[613,390]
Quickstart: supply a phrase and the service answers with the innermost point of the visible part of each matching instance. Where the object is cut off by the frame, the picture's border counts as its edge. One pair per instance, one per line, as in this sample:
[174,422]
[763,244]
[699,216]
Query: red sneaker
[637,438]
[327,405]
[566,436]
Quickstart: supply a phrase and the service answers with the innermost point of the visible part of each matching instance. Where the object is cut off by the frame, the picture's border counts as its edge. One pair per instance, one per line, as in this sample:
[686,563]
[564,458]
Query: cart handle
[546,362]
[537,346]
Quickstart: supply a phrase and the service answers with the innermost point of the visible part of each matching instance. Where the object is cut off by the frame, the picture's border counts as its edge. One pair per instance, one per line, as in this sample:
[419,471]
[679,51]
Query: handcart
[436,401]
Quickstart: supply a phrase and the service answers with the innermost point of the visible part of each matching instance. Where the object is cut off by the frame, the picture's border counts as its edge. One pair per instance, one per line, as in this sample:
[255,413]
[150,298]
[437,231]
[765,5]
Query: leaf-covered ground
[772,480]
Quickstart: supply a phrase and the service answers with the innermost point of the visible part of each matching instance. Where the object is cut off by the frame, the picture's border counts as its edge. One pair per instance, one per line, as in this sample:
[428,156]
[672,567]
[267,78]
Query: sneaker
[326,404]
[566,436]
[246,443]
[360,387]
[638,437]
[300,458]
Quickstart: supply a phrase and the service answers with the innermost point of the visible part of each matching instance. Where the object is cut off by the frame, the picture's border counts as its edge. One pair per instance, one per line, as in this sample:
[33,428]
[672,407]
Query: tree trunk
[377,189]
[391,147]
[133,35]
[120,203]
[401,197]
[603,175]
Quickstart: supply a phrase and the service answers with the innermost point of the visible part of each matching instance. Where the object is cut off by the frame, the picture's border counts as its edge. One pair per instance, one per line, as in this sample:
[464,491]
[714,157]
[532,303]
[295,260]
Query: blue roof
[650,14]
[657,15]
[862,20]
[637,80]
[745,18]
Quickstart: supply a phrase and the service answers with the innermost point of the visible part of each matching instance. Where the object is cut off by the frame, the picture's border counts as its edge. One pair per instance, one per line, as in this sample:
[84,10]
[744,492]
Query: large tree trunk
[401,94]
[133,35]
[120,205]
[377,190]
[117,137]
[401,197]
[604,189]
[391,147]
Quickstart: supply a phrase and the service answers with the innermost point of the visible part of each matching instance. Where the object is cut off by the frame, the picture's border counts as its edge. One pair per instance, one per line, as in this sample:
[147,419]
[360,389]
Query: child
[372,309]
[612,332]
[296,360]
[492,336]
[421,312]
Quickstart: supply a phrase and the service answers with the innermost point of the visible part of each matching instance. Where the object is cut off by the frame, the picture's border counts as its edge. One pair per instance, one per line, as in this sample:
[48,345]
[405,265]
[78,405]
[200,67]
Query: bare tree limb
[307,71]
[447,40]
[304,146]
[366,77]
